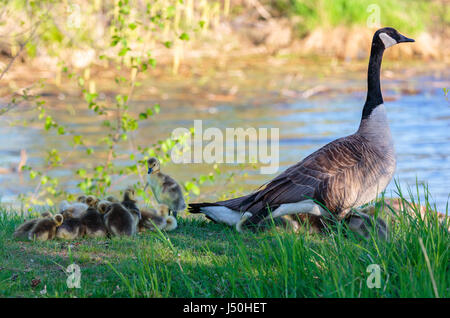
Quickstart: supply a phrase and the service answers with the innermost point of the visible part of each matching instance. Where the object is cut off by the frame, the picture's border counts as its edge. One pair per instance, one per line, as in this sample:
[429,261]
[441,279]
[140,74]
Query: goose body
[165,189]
[344,174]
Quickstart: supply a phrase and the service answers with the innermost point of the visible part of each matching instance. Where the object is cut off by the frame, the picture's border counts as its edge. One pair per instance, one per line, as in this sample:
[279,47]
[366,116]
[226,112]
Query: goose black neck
[374,97]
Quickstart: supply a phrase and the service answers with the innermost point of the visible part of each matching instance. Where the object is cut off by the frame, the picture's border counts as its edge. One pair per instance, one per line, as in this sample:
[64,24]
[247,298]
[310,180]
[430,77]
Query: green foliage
[332,13]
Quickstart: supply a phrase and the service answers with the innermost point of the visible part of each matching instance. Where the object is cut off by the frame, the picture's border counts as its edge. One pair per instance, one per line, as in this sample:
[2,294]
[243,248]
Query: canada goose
[45,229]
[120,221]
[77,208]
[22,230]
[71,228]
[130,203]
[165,189]
[82,198]
[344,174]
[161,219]
[93,224]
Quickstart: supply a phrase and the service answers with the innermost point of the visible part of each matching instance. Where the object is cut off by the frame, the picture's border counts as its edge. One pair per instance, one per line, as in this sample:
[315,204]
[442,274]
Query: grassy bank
[201,259]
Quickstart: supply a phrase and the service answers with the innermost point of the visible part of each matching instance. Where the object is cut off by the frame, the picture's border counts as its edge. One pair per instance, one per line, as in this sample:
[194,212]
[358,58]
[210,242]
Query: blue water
[419,121]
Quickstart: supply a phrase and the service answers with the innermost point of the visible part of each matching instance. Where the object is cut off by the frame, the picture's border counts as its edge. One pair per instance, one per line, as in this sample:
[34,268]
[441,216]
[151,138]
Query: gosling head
[129,194]
[82,198]
[387,37]
[153,165]
[91,201]
[103,206]
[58,218]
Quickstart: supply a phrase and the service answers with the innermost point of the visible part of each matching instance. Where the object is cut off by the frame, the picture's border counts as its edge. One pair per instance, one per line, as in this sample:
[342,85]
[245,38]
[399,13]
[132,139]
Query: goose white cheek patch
[387,40]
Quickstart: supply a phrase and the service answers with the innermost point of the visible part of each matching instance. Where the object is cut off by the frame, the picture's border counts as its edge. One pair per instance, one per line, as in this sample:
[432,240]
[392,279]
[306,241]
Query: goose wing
[327,175]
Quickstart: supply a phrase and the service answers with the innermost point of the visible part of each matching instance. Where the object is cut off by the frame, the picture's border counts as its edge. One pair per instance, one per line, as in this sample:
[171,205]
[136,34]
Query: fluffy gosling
[159,219]
[130,203]
[93,223]
[45,229]
[71,228]
[22,230]
[120,221]
[165,189]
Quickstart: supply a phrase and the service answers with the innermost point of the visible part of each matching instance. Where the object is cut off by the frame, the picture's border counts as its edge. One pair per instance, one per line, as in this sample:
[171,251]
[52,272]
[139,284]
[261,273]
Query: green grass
[406,15]
[201,259]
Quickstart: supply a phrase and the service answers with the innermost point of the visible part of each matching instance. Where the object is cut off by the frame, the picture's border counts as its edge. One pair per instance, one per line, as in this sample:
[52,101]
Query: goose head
[387,37]
[153,165]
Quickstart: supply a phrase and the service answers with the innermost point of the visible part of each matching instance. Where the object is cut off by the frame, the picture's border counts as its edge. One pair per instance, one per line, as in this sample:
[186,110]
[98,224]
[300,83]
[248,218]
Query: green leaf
[124,51]
[81,173]
[184,36]
[77,140]
[33,174]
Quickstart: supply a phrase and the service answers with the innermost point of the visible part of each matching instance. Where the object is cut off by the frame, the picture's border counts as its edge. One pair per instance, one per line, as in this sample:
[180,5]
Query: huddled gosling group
[91,217]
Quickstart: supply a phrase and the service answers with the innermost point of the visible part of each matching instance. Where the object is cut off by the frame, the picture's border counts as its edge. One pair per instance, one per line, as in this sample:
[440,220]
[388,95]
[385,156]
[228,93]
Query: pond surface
[418,111]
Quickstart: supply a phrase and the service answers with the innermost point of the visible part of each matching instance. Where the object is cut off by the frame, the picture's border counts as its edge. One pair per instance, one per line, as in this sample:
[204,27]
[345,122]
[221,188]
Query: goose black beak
[405,39]
[149,170]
